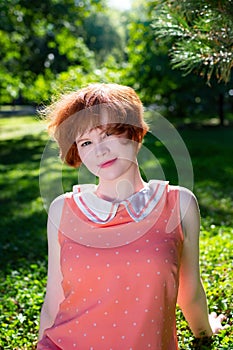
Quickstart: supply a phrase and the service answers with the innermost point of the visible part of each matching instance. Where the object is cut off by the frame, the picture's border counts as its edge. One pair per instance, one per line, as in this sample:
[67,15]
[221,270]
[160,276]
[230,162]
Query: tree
[149,72]
[40,39]
[201,33]
[101,35]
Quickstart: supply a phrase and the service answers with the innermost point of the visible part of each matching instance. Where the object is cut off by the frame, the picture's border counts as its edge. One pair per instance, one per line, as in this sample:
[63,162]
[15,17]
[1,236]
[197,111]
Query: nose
[101,149]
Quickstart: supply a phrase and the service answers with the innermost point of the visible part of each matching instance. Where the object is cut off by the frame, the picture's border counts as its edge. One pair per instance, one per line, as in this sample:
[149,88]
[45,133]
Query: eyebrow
[82,139]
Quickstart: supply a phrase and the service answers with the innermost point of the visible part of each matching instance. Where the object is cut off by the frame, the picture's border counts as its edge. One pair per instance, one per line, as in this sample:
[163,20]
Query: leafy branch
[201,33]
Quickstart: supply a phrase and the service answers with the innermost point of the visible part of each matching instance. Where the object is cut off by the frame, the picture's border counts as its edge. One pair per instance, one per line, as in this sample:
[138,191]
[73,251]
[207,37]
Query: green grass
[23,251]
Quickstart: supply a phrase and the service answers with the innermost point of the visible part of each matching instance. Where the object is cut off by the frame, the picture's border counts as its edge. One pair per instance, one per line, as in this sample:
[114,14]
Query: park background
[178,56]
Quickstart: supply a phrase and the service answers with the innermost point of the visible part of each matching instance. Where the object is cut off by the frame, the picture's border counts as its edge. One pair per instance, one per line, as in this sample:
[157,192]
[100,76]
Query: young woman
[121,253]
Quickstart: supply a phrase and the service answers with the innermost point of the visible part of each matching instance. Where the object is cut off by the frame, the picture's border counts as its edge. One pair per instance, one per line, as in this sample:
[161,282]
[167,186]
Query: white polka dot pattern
[120,297]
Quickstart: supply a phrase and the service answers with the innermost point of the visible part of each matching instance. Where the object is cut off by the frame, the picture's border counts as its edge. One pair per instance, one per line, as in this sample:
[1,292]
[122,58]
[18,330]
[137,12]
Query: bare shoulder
[55,209]
[189,209]
[187,198]
[57,203]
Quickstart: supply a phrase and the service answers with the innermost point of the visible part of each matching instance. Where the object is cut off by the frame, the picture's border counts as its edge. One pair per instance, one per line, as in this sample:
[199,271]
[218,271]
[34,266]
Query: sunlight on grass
[15,127]
[23,223]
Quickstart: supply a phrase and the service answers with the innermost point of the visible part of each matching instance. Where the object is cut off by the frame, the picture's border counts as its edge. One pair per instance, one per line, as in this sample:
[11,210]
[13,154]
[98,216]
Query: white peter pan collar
[101,211]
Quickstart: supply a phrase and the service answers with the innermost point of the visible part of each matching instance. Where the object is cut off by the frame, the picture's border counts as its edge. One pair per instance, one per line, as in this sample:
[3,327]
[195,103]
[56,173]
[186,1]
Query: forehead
[99,116]
[89,133]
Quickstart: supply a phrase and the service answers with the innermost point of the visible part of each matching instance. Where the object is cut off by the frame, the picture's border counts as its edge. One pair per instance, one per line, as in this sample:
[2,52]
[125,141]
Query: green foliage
[102,35]
[41,39]
[145,71]
[51,46]
[201,33]
[22,293]
[216,268]
[23,220]
[149,72]
[74,77]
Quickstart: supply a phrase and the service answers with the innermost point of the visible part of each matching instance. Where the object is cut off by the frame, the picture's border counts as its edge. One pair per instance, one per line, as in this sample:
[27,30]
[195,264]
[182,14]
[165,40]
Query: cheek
[88,159]
[128,149]
[122,143]
[131,144]
[85,154]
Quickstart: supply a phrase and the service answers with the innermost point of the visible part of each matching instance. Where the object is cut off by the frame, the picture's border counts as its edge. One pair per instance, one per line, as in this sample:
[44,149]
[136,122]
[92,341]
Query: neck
[120,189]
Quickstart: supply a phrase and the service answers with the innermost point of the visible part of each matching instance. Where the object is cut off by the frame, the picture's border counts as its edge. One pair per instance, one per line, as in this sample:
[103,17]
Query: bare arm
[54,293]
[191,296]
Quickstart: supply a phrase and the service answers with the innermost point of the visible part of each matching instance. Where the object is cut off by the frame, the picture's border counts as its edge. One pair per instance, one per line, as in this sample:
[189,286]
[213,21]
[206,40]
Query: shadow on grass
[23,219]
[211,152]
[202,344]
[23,250]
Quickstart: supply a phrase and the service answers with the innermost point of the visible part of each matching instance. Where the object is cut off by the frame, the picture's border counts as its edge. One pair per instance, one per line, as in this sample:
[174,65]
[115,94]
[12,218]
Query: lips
[108,163]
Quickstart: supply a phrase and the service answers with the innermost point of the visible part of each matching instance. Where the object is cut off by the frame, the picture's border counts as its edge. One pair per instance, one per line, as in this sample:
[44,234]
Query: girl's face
[107,156]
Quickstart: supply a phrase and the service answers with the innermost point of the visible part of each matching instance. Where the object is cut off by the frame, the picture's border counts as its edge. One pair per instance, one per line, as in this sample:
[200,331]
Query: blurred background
[178,56]
[51,46]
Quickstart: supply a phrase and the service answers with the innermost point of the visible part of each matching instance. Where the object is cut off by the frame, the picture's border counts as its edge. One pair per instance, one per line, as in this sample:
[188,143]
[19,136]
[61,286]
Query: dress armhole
[175,219]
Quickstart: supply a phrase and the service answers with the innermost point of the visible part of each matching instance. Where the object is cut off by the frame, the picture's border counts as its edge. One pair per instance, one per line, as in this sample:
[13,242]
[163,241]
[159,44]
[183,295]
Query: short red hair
[77,112]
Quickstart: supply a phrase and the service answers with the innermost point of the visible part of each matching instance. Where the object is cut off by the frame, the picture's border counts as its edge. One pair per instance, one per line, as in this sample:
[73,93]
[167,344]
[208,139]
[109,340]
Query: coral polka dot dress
[120,265]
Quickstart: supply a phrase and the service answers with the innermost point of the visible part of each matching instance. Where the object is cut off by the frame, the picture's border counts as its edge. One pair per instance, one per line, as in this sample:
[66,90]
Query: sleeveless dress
[120,263]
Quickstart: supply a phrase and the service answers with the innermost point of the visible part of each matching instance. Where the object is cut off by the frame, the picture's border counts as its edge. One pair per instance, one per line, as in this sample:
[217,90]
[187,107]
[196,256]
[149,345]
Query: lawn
[23,222]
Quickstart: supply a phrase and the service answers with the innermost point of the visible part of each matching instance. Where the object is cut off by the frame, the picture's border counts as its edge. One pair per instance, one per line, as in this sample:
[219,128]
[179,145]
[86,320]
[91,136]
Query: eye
[108,133]
[86,143]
